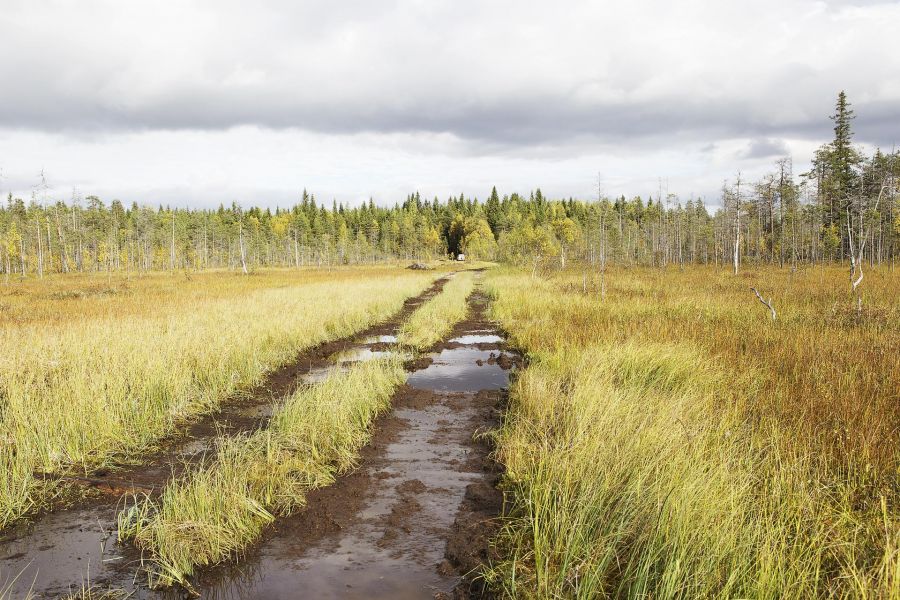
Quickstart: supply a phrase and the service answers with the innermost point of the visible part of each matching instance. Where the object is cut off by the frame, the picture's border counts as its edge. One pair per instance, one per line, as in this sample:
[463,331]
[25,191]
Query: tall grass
[75,394]
[218,510]
[432,321]
[668,441]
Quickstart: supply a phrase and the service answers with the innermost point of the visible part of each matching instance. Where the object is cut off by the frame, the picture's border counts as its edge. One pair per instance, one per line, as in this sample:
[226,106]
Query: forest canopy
[843,208]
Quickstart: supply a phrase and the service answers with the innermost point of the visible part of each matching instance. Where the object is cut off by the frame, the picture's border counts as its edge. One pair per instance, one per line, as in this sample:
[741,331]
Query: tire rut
[76,542]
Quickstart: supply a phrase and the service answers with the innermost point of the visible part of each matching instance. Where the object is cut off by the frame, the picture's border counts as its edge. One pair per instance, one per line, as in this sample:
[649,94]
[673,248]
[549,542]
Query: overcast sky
[201,102]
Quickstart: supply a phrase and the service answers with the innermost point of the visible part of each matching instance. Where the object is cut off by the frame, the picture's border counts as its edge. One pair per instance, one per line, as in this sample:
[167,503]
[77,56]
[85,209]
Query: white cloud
[202,101]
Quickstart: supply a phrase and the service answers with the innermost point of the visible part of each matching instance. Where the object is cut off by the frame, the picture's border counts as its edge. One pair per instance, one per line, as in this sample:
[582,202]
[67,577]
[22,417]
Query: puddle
[394,517]
[478,338]
[458,370]
[341,361]
[397,520]
[60,552]
[380,339]
[358,354]
[391,549]
[320,374]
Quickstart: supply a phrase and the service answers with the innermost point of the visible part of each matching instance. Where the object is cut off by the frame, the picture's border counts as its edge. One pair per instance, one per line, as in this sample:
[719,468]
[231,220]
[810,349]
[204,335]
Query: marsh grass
[124,369]
[432,321]
[216,511]
[669,441]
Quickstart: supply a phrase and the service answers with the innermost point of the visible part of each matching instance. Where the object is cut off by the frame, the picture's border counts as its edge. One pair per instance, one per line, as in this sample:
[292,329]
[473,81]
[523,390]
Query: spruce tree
[841,168]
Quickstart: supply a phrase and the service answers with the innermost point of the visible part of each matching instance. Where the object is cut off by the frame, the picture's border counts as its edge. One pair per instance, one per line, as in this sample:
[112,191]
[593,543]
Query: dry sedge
[671,441]
[76,390]
[433,320]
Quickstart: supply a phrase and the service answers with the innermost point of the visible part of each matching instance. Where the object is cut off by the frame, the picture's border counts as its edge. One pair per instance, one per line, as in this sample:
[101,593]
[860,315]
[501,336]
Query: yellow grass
[433,320]
[94,367]
[670,441]
[216,511]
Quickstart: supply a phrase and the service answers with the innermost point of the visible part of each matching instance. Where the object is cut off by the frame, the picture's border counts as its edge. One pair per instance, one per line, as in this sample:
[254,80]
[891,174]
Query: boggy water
[380,532]
[389,541]
[62,550]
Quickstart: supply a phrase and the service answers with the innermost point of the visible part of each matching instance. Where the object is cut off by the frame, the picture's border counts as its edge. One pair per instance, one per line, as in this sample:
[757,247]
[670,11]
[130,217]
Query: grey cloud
[109,90]
[764,148]
[504,78]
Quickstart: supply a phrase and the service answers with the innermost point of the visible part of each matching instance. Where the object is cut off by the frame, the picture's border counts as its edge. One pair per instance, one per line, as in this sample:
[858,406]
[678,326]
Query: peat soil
[415,518]
[75,543]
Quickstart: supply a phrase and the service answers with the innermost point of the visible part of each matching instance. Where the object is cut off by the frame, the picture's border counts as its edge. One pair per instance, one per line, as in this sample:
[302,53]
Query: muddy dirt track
[410,522]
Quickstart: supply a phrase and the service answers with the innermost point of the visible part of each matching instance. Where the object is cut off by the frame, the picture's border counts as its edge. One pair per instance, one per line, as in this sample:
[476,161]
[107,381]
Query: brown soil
[418,512]
[85,508]
[344,511]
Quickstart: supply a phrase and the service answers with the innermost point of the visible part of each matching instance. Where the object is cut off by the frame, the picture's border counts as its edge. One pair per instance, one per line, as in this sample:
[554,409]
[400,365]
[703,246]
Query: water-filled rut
[77,543]
[416,515]
[409,522]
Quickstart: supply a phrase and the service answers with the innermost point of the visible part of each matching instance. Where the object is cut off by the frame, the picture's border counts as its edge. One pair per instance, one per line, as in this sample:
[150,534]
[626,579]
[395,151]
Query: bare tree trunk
[40,264]
[49,248]
[22,253]
[737,242]
[241,242]
[767,304]
[64,259]
[172,254]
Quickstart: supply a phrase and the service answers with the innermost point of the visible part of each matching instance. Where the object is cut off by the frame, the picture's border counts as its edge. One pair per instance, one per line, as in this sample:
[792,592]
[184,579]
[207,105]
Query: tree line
[843,209]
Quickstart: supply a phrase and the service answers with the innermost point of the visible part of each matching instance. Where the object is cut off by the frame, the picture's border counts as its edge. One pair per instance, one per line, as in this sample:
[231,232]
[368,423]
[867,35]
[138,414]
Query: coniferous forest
[843,209]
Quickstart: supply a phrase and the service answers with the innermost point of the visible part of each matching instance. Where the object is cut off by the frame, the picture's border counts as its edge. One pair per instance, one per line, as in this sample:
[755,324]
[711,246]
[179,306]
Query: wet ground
[408,523]
[77,542]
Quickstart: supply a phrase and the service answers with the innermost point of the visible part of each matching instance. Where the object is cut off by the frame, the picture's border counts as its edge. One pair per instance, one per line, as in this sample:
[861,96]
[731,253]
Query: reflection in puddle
[380,339]
[320,374]
[358,354]
[59,551]
[458,370]
[341,361]
[418,482]
[391,551]
[487,338]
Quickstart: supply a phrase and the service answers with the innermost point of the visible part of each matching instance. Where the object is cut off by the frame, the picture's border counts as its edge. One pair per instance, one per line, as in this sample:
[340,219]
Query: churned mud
[417,515]
[414,520]
[76,543]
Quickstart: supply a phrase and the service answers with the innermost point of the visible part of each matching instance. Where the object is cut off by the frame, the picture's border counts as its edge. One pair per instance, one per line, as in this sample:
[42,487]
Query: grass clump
[219,509]
[668,441]
[433,320]
[80,392]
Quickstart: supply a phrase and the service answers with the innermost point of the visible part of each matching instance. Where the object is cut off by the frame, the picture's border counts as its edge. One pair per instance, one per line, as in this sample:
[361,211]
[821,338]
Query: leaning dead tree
[767,304]
[862,211]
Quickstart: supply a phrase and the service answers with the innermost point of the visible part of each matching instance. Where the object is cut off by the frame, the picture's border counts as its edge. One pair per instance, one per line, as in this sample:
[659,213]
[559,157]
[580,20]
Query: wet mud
[414,519]
[76,543]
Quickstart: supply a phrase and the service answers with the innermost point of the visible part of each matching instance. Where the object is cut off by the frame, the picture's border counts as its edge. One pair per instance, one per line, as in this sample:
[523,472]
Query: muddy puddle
[62,549]
[464,369]
[341,361]
[393,528]
[408,523]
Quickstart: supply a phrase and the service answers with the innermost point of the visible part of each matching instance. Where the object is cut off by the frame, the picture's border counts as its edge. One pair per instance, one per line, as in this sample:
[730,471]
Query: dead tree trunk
[765,303]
